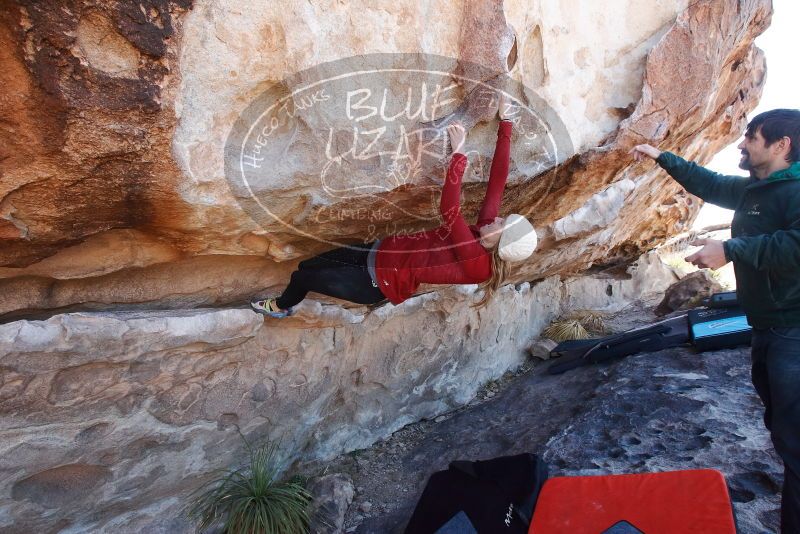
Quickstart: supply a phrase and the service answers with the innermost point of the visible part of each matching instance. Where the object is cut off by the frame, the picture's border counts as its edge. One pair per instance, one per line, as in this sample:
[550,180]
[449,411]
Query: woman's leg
[343,282]
[355,255]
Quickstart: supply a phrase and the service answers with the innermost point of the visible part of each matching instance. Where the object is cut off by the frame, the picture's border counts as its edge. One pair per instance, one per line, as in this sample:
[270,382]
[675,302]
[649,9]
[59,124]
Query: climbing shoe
[268,307]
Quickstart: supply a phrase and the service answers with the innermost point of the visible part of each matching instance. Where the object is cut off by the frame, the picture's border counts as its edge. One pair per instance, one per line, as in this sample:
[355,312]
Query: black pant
[340,273]
[776,377]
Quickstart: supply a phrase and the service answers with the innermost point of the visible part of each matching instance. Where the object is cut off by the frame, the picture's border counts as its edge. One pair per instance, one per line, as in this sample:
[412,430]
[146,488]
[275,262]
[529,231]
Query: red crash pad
[673,502]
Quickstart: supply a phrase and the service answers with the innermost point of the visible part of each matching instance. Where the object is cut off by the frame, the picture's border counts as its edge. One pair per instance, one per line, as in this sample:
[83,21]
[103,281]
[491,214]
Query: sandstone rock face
[109,419]
[115,119]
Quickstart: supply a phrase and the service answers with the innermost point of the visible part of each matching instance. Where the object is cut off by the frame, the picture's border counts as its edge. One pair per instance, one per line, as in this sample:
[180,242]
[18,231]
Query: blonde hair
[493,283]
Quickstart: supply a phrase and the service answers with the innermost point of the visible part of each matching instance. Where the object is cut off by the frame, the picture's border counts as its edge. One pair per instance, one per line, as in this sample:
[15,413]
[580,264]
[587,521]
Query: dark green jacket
[765,235]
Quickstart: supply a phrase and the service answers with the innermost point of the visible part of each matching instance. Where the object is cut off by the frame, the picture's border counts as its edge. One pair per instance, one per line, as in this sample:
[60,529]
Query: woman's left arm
[497,176]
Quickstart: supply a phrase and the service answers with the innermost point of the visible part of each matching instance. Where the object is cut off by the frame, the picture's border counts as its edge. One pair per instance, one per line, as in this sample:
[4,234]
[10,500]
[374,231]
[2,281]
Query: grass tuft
[581,324]
[564,329]
[251,499]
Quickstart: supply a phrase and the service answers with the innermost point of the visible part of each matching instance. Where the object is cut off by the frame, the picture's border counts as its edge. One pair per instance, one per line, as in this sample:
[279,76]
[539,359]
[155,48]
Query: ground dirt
[669,410]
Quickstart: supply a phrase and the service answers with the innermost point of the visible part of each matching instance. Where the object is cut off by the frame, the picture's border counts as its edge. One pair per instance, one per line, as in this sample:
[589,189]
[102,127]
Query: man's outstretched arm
[724,191]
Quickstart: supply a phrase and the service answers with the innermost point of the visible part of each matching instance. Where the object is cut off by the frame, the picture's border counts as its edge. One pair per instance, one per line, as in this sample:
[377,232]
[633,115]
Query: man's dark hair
[776,124]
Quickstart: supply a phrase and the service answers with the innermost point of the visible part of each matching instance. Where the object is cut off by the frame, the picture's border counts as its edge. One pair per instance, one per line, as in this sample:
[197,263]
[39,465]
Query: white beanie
[518,240]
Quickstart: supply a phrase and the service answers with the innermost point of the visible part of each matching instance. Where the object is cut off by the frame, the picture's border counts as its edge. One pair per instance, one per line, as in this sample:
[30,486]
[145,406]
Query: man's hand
[712,255]
[457,135]
[639,152]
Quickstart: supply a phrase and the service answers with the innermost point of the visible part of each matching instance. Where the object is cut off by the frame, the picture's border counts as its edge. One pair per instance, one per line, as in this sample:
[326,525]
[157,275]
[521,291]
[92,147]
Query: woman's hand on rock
[457,136]
[506,107]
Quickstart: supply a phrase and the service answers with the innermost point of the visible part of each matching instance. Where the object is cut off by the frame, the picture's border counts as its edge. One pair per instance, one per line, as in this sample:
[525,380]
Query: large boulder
[115,118]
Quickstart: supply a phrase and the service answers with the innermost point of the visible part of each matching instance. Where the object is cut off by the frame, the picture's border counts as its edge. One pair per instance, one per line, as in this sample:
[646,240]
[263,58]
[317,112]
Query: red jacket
[451,253]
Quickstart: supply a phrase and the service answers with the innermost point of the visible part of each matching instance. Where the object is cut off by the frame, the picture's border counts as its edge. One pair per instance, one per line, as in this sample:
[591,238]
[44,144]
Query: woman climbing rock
[453,253]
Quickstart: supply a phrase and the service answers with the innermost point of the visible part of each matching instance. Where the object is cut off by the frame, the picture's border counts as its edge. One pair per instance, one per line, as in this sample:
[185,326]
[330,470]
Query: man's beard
[744,163]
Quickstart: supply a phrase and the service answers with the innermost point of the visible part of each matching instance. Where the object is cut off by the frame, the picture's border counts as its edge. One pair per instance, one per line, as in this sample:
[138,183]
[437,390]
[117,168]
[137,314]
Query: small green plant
[251,499]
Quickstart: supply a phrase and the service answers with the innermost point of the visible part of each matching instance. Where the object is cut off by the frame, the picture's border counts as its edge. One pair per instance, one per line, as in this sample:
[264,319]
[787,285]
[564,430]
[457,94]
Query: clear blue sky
[779,43]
